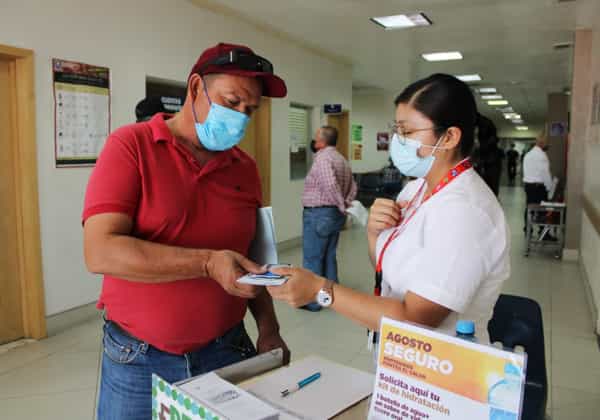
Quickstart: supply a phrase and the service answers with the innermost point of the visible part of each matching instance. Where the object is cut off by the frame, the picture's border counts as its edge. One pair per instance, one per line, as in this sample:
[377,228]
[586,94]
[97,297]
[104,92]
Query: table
[358,411]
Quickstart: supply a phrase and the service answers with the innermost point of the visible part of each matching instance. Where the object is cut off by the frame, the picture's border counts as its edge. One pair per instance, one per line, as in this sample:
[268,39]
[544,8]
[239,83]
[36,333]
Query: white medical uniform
[536,168]
[454,251]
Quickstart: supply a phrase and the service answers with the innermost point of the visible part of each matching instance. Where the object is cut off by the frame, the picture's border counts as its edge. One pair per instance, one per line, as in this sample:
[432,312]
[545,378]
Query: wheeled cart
[545,228]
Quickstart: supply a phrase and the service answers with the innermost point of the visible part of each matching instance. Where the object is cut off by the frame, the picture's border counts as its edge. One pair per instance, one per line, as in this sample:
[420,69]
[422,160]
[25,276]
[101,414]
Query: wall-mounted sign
[383,141]
[356,133]
[332,108]
[558,129]
[81,111]
[356,151]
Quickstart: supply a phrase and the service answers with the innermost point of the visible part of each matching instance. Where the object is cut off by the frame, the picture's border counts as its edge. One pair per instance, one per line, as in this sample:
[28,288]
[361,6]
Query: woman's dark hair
[487,135]
[447,102]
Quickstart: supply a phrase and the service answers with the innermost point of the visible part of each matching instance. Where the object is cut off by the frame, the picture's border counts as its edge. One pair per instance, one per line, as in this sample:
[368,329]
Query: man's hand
[225,267]
[271,340]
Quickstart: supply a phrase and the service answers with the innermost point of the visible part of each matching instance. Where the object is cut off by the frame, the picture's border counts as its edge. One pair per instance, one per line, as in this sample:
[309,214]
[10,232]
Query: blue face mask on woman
[403,152]
[223,128]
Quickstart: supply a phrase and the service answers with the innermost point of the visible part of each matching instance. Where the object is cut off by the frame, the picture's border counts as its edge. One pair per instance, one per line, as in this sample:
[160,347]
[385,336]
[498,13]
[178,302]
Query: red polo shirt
[145,173]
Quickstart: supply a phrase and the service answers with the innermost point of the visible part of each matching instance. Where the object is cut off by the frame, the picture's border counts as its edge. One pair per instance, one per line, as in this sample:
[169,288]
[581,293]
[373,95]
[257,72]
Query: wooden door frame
[343,145]
[263,148]
[28,241]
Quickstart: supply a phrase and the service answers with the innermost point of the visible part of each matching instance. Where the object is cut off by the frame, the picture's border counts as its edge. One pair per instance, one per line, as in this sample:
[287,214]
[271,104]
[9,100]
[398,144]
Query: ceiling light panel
[409,20]
[497,102]
[443,56]
[468,77]
[490,97]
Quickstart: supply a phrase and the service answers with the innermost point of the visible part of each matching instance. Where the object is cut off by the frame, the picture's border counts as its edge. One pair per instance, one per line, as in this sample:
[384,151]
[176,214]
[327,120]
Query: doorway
[22,312]
[257,143]
[341,121]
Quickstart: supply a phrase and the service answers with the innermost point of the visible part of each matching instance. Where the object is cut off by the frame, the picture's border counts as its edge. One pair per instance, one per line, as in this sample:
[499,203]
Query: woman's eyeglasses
[396,128]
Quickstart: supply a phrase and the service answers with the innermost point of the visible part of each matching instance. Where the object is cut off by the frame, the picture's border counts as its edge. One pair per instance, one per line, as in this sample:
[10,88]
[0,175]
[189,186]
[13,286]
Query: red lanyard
[450,176]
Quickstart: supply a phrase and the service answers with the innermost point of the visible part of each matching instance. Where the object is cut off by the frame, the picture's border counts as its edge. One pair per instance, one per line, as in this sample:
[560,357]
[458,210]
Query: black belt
[321,207]
[536,184]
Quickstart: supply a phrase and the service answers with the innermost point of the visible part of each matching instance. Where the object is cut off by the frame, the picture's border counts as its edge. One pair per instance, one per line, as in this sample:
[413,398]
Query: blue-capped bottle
[504,396]
[466,330]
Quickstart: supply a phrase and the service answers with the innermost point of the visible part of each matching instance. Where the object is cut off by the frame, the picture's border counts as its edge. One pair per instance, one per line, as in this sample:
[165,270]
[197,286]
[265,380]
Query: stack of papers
[227,400]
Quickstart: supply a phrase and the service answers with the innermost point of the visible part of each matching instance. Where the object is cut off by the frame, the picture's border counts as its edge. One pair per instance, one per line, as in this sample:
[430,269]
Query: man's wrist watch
[325,295]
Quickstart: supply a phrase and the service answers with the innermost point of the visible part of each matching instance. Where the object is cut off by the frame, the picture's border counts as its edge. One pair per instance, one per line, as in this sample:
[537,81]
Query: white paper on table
[228,400]
[339,388]
[263,249]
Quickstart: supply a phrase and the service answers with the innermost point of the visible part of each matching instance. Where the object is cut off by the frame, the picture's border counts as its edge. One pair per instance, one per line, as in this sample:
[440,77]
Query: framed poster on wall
[81,112]
[383,141]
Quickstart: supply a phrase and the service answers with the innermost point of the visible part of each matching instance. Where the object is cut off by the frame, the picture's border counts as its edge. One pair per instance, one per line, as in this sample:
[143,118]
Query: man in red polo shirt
[170,211]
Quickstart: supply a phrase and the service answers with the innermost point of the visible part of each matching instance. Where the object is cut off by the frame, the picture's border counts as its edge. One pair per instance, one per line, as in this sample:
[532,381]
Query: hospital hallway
[56,378]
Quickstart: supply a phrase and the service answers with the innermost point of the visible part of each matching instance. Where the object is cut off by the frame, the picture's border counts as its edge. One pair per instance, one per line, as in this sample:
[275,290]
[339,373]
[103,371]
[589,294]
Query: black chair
[370,187]
[518,321]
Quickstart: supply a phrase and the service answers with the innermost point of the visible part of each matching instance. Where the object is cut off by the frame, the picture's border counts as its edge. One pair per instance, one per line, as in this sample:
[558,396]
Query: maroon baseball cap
[241,61]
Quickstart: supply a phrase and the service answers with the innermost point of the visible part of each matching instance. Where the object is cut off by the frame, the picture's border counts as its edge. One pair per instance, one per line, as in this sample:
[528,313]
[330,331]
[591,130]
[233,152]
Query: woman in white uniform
[441,250]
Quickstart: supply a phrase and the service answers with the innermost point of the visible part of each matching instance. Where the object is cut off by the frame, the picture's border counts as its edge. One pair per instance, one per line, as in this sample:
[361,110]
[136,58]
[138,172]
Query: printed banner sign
[423,374]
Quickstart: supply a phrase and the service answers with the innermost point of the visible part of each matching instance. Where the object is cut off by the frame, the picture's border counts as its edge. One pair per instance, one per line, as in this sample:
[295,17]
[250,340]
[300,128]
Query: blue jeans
[128,364]
[321,234]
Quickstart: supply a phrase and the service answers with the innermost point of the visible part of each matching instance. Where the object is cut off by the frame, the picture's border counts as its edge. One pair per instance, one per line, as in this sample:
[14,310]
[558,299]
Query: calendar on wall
[82,112]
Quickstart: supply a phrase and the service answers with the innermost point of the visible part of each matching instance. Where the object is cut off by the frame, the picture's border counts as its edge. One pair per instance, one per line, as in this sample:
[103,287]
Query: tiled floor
[56,378]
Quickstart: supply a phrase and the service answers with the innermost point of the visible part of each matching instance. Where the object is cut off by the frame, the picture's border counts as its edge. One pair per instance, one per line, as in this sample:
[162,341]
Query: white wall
[588,16]
[136,38]
[374,111]
[590,246]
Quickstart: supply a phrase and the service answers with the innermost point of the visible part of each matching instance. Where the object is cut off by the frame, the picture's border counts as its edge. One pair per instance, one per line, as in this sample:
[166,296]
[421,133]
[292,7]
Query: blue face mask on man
[403,152]
[223,128]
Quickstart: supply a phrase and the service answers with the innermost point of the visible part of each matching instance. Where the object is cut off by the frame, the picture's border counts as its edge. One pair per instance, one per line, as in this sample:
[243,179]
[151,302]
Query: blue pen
[301,384]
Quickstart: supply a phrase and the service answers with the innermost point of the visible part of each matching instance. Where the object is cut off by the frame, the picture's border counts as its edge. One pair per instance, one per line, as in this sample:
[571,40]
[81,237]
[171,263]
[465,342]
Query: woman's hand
[384,214]
[301,287]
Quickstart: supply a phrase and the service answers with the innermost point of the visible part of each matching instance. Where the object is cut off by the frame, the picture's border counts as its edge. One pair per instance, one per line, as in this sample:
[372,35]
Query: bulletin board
[81,112]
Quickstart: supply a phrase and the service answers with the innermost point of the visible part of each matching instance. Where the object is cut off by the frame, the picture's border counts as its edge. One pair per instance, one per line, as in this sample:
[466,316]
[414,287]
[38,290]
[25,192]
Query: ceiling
[508,42]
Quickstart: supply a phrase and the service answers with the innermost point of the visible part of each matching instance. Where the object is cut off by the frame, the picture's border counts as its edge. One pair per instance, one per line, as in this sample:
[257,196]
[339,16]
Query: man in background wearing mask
[537,177]
[170,211]
[328,192]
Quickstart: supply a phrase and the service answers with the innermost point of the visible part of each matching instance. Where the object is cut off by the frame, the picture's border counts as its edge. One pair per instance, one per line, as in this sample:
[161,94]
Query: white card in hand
[261,281]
